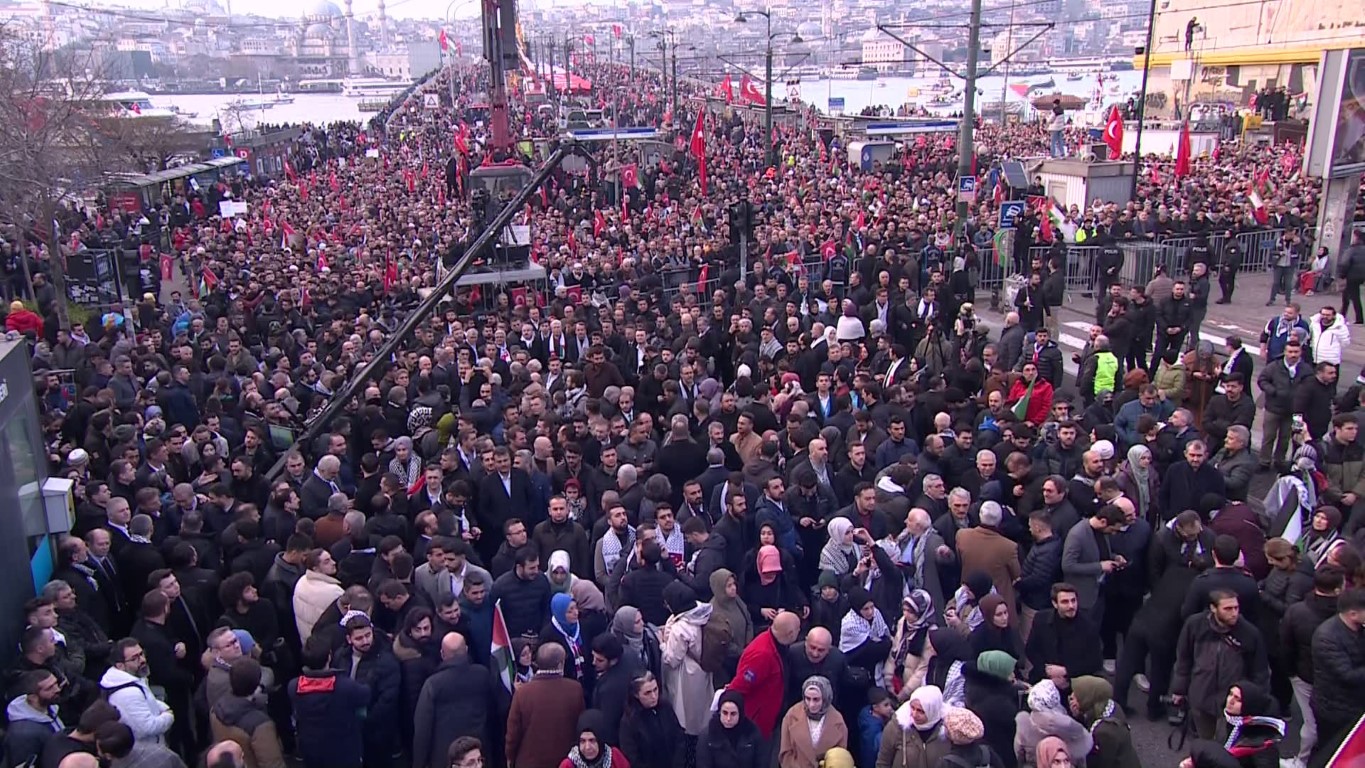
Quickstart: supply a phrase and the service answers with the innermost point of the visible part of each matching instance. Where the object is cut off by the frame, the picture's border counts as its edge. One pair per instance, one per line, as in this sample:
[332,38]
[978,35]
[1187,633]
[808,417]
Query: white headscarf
[930,699]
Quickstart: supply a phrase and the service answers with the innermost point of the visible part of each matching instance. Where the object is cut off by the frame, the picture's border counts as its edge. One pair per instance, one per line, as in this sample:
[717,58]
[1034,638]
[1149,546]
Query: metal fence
[1260,250]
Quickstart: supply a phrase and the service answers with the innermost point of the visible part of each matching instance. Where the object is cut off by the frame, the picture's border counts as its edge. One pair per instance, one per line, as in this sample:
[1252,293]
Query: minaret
[383,27]
[352,56]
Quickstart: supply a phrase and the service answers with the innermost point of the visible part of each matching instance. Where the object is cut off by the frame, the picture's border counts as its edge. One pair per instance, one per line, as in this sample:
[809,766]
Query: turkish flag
[727,89]
[630,175]
[1113,133]
[750,93]
[699,148]
[599,223]
[444,40]
[390,272]
[616,30]
[1182,152]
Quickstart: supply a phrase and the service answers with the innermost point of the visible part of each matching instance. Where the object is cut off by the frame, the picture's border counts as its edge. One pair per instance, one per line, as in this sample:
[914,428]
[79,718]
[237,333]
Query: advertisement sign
[966,189]
[1348,148]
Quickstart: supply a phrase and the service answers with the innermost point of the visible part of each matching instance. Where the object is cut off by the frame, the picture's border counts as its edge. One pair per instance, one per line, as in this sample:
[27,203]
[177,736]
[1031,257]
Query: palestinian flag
[207,281]
[1001,247]
[1021,408]
[500,655]
[1261,188]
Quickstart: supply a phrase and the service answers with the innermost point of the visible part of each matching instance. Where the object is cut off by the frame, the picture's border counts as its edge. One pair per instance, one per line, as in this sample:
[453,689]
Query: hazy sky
[402,9]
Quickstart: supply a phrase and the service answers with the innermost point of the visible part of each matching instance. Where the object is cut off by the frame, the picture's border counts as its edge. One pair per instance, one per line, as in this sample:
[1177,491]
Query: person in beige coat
[908,662]
[240,717]
[985,549]
[915,738]
[811,727]
[315,592]
[688,686]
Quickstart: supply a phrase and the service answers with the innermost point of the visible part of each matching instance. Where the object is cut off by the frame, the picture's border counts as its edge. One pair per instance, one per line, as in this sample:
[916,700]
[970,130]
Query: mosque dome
[319,31]
[810,30]
[322,9]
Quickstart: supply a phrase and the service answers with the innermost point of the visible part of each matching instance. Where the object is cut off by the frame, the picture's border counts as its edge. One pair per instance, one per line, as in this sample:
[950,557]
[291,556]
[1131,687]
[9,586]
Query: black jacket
[718,748]
[329,714]
[455,701]
[1208,662]
[1338,675]
[1042,567]
[707,560]
[525,604]
[1300,622]
[1069,643]
[996,703]
[1231,579]
[379,671]
[653,738]
[610,692]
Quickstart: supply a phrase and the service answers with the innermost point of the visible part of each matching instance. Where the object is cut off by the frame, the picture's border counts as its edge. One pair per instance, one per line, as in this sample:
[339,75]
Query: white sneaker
[1143,683]
[1291,762]
[1110,666]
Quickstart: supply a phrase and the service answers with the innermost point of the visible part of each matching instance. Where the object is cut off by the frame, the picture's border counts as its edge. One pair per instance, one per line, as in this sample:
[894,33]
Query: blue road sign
[836,103]
[613,134]
[217,152]
[966,188]
[1010,211]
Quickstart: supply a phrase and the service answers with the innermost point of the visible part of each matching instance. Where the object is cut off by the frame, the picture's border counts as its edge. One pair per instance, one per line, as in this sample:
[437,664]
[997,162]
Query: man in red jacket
[760,677]
[23,320]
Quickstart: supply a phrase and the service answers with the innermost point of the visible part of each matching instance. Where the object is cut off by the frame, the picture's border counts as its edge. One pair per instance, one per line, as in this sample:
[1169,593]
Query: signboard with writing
[1010,211]
[836,104]
[431,101]
[92,277]
[966,189]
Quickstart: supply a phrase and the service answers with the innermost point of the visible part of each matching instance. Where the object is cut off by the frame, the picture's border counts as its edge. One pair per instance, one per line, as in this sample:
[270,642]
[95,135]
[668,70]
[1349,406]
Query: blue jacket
[869,737]
[1125,421]
[329,713]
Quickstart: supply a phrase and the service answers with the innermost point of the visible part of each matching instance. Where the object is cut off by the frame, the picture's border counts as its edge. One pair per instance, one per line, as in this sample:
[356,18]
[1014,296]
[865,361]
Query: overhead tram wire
[438,294]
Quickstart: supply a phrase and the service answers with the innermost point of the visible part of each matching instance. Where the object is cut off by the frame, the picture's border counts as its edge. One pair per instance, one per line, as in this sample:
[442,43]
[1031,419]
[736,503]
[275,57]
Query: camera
[1175,716]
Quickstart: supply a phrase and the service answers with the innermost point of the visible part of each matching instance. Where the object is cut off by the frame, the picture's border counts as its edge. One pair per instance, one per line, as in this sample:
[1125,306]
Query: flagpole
[1142,99]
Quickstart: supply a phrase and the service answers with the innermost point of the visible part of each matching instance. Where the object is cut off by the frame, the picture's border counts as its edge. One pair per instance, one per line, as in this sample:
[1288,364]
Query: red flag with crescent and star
[699,148]
[1113,133]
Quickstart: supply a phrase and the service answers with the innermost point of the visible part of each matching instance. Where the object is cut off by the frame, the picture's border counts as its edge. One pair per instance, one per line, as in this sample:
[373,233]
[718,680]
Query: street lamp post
[769,159]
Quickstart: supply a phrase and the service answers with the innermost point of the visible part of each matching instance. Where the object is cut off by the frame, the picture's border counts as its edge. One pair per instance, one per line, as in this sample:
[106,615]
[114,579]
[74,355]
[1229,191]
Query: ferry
[372,87]
[133,104]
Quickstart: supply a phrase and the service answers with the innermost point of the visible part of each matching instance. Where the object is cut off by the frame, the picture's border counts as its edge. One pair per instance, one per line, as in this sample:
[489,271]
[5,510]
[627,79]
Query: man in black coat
[1216,649]
[505,493]
[455,701]
[368,660]
[525,594]
[164,656]
[138,559]
[1062,641]
[611,690]
[708,553]
[1225,575]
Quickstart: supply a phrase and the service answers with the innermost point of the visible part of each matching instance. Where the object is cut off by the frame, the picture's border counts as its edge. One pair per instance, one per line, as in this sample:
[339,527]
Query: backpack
[961,762]
[716,639]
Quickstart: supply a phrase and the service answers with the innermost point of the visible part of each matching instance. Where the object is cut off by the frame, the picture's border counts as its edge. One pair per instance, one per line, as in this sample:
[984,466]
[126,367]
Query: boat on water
[1074,77]
[283,98]
[372,87]
[1048,83]
[254,104]
[133,104]
[867,73]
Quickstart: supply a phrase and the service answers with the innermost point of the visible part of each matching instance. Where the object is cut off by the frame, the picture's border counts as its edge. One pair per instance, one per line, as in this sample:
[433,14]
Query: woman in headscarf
[915,738]
[767,536]
[731,739]
[1052,753]
[908,662]
[1286,584]
[992,695]
[840,554]
[995,632]
[1092,702]
[1323,532]
[688,686]
[406,464]
[948,649]
[863,636]
[967,616]
[727,607]
[774,589]
[563,628]
[650,734]
[1141,483]
[641,644]
[585,593]
[1048,717]
[1253,734]
[811,727]
[592,751]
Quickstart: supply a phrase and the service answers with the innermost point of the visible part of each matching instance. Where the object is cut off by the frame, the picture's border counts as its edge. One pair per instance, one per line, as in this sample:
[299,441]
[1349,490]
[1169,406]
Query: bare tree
[58,139]
[151,143]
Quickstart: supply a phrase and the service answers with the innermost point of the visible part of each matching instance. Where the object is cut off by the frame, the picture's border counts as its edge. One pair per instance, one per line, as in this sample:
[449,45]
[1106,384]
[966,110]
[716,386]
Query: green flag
[1021,407]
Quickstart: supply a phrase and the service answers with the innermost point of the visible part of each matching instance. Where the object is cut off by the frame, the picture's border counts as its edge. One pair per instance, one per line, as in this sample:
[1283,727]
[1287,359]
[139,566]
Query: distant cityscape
[202,44]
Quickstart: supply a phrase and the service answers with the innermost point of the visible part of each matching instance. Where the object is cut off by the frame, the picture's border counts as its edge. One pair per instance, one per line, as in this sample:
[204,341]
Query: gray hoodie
[29,729]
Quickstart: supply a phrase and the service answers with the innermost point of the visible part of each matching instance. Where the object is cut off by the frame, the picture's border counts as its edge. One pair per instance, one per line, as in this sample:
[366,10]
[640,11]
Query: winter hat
[78,457]
[962,725]
[827,579]
[679,597]
[837,757]
[1104,448]
[1256,701]
[996,663]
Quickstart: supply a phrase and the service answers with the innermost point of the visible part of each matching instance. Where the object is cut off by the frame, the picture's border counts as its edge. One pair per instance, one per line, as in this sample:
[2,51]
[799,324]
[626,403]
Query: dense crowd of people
[789,516]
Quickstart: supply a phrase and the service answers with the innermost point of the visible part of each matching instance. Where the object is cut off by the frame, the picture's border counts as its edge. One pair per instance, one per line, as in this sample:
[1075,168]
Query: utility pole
[675,81]
[769,159]
[549,44]
[630,41]
[1142,99]
[966,149]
